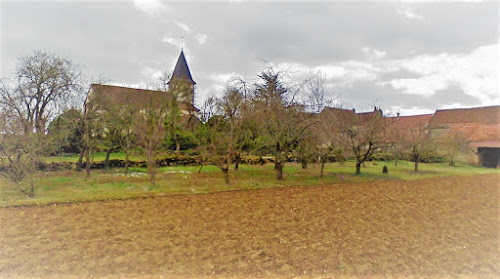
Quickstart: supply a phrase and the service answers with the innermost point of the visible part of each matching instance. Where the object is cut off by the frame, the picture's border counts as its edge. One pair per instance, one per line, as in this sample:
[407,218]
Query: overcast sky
[407,56]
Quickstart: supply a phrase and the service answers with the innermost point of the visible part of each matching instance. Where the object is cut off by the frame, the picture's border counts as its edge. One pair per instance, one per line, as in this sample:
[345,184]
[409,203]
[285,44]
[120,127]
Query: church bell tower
[181,81]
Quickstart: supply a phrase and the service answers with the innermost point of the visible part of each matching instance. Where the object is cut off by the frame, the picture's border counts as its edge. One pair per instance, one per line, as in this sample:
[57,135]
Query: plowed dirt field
[434,228]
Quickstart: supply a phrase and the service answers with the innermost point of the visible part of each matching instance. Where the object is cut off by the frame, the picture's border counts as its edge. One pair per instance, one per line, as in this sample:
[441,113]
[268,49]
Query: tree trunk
[277,162]
[304,164]
[127,151]
[225,170]
[87,146]
[32,192]
[153,178]
[237,161]
[322,167]
[127,163]
[417,159]
[87,161]
[151,166]
[453,158]
[29,194]
[177,146]
[358,168]
[108,153]
[80,161]
[279,170]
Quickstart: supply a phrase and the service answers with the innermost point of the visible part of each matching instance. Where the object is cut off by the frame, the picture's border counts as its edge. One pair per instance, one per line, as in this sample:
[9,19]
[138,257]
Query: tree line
[47,109]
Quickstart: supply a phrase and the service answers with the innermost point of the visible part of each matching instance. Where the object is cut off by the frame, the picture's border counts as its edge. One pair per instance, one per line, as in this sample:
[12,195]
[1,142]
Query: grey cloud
[119,41]
[362,95]
[399,74]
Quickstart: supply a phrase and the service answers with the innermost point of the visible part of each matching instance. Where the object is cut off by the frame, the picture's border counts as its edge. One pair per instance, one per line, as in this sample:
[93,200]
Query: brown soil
[435,228]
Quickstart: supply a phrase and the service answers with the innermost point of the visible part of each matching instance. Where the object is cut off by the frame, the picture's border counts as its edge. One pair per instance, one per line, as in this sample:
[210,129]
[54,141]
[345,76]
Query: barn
[479,127]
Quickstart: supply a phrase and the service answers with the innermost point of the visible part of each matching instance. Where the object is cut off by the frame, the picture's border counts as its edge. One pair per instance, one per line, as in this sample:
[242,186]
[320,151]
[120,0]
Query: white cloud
[183,26]
[345,72]
[151,7]
[409,13]
[434,1]
[201,38]
[361,71]
[216,88]
[140,85]
[151,73]
[222,78]
[426,86]
[331,71]
[171,41]
[451,106]
[411,111]
[372,53]
[474,73]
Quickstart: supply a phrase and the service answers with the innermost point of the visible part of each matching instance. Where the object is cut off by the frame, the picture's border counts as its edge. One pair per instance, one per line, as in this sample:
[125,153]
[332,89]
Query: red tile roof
[120,95]
[484,115]
[339,112]
[478,132]
[481,126]
[402,127]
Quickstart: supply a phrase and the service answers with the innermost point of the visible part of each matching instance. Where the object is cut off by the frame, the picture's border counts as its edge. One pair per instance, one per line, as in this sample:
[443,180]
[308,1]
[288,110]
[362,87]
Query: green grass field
[72,186]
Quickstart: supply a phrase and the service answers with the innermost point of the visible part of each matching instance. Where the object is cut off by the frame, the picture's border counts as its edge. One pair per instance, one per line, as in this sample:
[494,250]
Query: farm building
[475,130]
[478,128]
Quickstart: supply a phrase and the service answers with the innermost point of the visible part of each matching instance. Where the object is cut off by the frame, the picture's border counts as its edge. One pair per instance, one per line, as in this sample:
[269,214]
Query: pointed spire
[181,70]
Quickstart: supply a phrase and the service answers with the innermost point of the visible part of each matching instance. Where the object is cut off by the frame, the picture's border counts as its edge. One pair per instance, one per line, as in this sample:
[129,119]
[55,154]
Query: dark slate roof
[181,70]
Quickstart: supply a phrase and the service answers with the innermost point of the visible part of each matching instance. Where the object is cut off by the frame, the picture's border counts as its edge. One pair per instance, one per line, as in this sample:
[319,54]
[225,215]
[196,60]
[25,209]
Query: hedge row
[174,160]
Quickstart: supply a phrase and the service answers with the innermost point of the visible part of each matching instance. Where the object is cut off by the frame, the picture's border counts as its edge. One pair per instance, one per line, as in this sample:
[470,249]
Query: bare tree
[453,142]
[415,140]
[214,144]
[318,95]
[111,110]
[214,139]
[128,114]
[162,81]
[232,107]
[149,128]
[44,84]
[90,123]
[19,152]
[328,132]
[280,119]
[363,134]
[324,139]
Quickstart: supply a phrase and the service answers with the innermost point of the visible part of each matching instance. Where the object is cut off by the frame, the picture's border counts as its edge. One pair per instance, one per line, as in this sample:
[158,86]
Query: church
[181,85]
